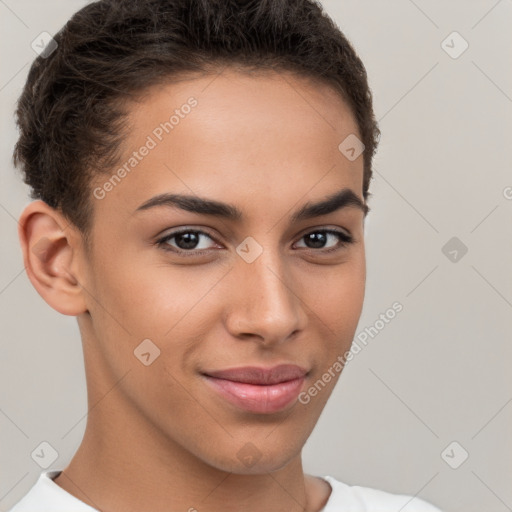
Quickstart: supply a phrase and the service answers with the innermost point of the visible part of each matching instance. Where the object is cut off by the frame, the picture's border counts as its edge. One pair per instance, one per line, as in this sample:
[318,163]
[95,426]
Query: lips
[258,390]
[260,376]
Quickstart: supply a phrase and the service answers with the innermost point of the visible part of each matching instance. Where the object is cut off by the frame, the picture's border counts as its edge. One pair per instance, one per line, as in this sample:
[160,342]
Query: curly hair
[70,114]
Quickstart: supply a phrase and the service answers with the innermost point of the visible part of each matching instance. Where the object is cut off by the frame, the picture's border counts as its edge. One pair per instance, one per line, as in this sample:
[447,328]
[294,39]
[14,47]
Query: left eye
[318,239]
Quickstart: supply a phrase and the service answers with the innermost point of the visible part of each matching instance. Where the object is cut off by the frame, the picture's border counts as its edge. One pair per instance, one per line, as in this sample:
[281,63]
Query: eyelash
[344,240]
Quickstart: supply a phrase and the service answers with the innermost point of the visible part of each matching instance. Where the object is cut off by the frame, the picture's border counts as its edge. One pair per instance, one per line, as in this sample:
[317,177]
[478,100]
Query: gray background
[437,373]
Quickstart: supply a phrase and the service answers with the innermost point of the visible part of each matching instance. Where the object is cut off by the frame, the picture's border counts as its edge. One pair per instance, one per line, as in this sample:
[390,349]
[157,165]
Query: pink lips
[259,390]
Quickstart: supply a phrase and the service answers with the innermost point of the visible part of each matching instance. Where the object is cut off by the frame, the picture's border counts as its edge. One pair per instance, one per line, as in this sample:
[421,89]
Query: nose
[265,305]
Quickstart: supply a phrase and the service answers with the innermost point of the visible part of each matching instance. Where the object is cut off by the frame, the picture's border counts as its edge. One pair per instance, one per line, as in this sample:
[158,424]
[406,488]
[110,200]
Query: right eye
[191,241]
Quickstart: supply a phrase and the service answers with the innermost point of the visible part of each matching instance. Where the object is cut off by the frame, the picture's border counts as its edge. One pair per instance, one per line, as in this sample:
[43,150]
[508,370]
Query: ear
[51,255]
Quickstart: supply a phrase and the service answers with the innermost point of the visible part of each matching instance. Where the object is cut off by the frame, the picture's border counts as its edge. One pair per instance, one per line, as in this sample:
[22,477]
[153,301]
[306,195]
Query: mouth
[258,390]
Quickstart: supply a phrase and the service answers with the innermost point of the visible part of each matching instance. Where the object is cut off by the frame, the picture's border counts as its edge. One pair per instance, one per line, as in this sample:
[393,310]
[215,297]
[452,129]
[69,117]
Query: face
[225,299]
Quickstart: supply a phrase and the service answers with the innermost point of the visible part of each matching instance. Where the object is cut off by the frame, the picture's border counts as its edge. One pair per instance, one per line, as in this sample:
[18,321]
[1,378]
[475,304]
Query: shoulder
[355,498]
[46,496]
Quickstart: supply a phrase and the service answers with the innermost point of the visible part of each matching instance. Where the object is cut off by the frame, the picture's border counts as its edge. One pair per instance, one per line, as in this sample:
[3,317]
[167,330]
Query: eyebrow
[345,198]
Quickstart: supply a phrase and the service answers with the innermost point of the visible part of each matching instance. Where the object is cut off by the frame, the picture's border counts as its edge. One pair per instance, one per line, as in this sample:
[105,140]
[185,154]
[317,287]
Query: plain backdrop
[425,407]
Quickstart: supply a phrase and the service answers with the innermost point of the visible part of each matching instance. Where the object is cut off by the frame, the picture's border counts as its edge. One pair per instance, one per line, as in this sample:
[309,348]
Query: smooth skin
[158,437]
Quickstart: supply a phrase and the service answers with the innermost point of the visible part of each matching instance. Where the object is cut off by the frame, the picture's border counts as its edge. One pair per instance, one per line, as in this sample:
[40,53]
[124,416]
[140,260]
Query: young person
[200,173]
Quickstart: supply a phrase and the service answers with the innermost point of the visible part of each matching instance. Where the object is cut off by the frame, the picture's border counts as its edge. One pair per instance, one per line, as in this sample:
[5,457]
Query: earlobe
[50,256]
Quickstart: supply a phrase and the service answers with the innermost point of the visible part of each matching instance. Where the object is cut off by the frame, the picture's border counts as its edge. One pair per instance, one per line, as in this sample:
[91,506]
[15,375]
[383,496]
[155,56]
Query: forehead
[227,98]
[242,135]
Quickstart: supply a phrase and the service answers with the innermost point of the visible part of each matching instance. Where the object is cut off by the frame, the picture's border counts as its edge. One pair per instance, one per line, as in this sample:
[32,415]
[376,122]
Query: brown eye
[326,239]
[186,240]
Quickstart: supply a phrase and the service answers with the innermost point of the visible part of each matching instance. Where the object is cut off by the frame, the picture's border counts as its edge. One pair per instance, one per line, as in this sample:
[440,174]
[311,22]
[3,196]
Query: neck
[120,467]
[127,463]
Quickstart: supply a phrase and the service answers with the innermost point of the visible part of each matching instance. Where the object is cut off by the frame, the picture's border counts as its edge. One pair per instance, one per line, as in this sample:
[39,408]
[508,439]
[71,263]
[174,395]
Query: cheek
[172,306]
[336,297]
[336,312]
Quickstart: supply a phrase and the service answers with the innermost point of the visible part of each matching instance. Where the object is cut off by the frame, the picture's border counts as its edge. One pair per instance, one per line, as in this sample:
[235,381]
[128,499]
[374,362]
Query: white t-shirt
[47,496]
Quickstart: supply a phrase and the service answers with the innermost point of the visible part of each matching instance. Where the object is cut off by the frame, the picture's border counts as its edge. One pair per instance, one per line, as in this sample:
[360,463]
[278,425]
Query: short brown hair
[69,114]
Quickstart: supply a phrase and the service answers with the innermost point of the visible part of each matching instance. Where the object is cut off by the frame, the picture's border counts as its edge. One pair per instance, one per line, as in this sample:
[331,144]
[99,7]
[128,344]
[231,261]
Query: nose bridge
[266,303]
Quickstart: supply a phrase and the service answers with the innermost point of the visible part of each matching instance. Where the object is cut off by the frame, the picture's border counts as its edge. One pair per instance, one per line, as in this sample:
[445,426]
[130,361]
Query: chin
[251,460]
